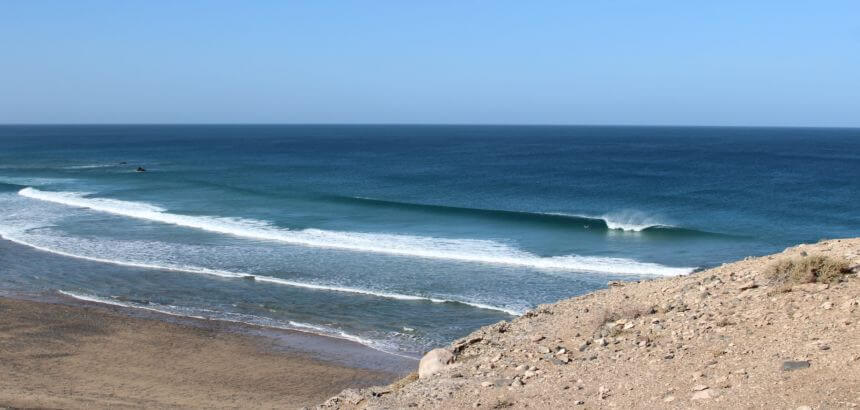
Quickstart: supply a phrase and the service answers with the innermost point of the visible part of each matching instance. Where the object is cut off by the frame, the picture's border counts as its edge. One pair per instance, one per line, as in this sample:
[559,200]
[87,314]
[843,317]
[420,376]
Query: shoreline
[60,352]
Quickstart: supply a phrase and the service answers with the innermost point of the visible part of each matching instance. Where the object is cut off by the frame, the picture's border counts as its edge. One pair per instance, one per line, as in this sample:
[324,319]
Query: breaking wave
[465,250]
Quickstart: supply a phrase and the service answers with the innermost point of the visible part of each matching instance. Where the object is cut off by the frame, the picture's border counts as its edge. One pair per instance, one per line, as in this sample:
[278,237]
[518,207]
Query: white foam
[238,318]
[10,236]
[112,302]
[631,221]
[466,250]
[92,166]
[33,181]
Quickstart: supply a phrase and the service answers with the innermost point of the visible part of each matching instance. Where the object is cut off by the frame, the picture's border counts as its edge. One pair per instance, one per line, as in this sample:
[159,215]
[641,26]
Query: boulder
[433,362]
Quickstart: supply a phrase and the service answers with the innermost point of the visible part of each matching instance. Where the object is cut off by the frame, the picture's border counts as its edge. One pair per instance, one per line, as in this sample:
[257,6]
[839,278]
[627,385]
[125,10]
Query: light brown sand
[725,338]
[61,356]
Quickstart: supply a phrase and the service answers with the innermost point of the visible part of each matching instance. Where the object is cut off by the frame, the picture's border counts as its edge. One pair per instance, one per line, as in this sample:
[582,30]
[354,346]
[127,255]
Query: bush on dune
[808,269]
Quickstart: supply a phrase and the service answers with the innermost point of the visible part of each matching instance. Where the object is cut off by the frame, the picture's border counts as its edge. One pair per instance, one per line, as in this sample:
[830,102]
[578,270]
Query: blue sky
[547,62]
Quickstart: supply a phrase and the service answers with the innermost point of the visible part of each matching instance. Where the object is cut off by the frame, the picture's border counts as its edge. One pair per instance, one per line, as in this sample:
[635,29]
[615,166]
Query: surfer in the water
[140,169]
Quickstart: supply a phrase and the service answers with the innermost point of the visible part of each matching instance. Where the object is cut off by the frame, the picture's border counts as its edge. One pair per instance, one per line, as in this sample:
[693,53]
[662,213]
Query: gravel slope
[728,337]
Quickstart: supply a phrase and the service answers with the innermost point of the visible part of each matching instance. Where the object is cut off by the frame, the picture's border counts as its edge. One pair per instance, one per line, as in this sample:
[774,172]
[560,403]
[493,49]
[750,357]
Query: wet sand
[65,354]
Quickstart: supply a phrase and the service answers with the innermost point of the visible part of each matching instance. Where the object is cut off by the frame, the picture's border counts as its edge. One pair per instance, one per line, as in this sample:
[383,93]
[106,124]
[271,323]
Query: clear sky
[543,62]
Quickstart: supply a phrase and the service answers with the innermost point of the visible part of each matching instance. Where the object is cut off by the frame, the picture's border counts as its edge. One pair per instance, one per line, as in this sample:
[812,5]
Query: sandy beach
[64,354]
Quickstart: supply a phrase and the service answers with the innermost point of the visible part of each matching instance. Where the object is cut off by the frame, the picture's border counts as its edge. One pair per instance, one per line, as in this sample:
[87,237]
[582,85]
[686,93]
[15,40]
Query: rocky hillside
[780,331]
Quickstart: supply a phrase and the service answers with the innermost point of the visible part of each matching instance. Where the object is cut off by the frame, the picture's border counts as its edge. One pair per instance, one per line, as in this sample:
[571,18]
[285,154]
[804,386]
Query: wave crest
[465,250]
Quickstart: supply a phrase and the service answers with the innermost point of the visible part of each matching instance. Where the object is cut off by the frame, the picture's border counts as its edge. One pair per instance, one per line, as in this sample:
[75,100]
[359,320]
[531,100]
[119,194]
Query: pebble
[703,395]
[486,384]
[543,349]
[699,387]
[790,365]
[538,338]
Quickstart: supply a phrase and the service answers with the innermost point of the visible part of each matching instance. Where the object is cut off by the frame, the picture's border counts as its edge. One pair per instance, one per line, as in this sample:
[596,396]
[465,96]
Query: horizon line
[108,124]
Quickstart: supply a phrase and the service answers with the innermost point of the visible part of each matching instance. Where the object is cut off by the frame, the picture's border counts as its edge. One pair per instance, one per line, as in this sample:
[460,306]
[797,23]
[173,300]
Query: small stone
[669,356]
[433,362]
[537,338]
[699,387]
[601,342]
[669,399]
[706,394]
[629,325]
[476,404]
[578,403]
[496,358]
[748,285]
[486,384]
[790,365]
[827,305]
[603,392]
[528,374]
[521,367]
[543,349]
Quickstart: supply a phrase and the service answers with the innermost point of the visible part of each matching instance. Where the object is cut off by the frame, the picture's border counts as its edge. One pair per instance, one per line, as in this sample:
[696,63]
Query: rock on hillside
[729,337]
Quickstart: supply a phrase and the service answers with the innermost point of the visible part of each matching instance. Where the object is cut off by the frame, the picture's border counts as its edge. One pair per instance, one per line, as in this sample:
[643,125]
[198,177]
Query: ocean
[401,238]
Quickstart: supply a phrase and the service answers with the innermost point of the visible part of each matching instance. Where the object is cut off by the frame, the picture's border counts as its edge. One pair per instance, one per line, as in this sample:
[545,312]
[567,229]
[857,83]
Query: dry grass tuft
[808,269]
[604,323]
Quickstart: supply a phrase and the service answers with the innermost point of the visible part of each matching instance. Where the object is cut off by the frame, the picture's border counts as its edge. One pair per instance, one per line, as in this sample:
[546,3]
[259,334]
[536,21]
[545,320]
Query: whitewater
[466,250]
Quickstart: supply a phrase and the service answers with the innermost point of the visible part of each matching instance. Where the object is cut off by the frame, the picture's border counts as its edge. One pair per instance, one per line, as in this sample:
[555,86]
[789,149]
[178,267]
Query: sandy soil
[65,356]
[728,337]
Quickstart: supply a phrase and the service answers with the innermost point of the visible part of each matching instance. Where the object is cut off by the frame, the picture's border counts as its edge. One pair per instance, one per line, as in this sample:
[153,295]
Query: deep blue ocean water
[401,237]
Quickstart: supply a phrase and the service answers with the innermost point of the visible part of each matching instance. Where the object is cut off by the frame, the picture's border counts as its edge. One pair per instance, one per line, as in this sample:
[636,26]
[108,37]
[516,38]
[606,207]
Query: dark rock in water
[123,163]
[249,277]
[140,169]
[790,365]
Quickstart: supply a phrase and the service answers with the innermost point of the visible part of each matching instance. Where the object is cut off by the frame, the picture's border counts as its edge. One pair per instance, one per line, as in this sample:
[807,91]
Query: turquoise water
[401,237]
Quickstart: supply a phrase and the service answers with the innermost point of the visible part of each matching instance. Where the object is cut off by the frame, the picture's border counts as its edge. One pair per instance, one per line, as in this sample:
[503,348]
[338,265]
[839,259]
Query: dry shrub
[607,316]
[808,269]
